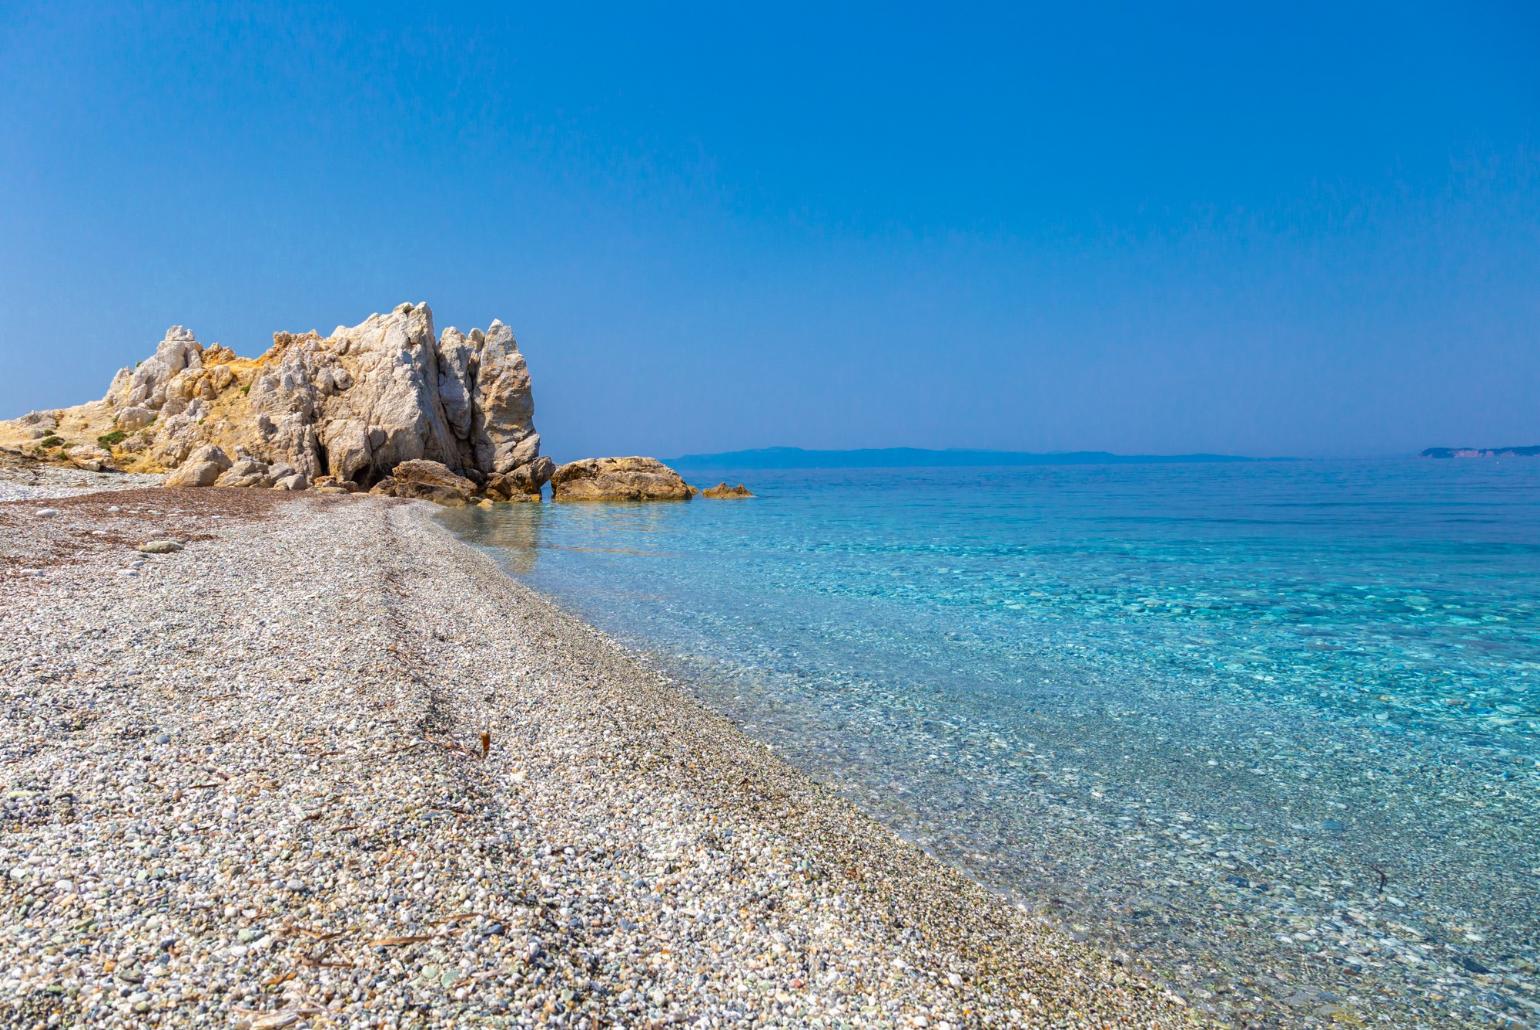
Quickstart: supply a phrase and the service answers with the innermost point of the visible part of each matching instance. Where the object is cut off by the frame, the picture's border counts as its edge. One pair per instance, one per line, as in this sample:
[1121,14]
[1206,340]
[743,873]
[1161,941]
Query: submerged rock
[722,492]
[618,479]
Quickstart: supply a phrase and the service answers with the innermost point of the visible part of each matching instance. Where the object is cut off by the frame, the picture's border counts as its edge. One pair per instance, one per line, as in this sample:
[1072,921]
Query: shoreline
[304,690]
[1298,849]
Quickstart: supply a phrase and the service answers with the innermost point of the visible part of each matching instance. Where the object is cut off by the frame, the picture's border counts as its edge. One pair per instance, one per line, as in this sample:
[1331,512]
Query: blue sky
[1314,230]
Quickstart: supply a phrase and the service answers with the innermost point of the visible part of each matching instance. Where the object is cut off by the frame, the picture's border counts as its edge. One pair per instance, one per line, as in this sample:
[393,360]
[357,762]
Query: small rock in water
[161,547]
[47,511]
[1333,825]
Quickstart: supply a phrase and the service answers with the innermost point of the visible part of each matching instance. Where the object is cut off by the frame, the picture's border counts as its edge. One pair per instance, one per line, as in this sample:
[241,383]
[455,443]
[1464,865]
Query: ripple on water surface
[1273,727]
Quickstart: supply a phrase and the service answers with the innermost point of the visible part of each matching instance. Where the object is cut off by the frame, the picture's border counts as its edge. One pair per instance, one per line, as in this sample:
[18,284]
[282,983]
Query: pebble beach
[324,765]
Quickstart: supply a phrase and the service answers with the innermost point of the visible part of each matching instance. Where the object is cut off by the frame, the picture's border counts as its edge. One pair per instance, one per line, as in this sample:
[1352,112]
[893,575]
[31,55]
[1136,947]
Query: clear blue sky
[1313,230]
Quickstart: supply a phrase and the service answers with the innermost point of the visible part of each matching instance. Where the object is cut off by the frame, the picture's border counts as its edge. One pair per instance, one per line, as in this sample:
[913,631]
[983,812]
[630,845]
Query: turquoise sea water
[1271,729]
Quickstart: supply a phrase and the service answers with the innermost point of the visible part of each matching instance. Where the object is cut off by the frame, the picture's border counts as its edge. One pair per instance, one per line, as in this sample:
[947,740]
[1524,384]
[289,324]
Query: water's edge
[1333,843]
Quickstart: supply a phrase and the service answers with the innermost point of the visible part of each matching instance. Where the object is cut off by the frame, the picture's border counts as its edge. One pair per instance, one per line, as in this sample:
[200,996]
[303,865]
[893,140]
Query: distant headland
[1532,451]
[919,457]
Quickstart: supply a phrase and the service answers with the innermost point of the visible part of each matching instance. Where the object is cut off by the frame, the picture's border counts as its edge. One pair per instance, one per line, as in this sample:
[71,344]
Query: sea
[1269,731]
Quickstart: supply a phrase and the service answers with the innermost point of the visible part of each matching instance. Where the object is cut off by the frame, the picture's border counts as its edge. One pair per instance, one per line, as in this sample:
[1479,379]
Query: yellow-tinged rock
[618,479]
[723,492]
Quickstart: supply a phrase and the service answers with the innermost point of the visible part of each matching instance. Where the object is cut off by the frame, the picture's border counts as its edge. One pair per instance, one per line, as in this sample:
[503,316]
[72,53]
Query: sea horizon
[785,456]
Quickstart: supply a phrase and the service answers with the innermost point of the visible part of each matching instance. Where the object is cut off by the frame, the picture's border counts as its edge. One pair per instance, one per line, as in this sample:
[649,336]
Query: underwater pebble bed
[1273,729]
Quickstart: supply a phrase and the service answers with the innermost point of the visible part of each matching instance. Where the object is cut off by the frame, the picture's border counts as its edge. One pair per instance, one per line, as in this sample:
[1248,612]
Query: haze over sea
[1271,728]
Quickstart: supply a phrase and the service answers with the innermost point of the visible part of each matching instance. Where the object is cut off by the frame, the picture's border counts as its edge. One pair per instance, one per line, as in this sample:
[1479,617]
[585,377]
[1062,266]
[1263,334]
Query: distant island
[1532,451]
[918,457]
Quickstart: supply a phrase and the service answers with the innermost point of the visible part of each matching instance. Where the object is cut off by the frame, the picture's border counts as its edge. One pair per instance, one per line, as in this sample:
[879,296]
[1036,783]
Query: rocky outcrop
[202,468]
[247,472]
[348,408]
[618,479]
[427,481]
[723,492]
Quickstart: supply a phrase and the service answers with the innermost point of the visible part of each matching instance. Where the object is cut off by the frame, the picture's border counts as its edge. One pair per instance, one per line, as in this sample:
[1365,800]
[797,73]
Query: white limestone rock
[145,385]
[246,472]
[132,418]
[203,467]
[504,435]
[351,406]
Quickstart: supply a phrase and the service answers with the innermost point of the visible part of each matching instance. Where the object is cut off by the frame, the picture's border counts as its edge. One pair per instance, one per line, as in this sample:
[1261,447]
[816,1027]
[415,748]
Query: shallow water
[1273,729]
